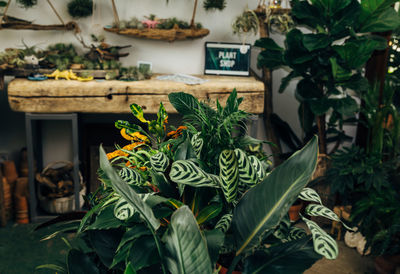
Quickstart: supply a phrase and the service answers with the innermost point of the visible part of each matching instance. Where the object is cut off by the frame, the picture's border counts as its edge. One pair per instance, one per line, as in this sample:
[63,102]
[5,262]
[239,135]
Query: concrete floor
[349,261]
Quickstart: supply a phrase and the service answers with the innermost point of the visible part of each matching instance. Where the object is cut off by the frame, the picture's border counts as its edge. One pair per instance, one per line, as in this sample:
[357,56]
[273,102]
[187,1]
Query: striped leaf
[258,166]
[159,162]
[247,172]
[197,144]
[310,195]
[130,176]
[123,210]
[185,245]
[224,223]
[228,172]
[262,207]
[320,210]
[296,233]
[323,243]
[187,173]
[127,192]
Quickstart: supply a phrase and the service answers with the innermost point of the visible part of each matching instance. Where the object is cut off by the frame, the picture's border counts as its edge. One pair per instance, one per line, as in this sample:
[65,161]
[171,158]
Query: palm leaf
[186,247]
[269,201]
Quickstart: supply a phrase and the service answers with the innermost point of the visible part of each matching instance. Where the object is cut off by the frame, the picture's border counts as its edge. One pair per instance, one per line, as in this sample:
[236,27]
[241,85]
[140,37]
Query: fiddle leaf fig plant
[328,61]
[185,200]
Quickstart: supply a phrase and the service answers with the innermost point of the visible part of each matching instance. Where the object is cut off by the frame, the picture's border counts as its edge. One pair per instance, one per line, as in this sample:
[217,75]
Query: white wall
[179,56]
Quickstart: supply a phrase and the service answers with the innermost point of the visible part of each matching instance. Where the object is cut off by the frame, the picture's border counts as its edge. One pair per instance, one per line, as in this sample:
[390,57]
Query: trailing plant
[27,3]
[327,69]
[246,23]
[214,4]
[166,207]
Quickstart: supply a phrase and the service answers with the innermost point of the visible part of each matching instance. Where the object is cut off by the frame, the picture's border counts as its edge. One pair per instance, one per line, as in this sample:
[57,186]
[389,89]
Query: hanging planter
[149,28]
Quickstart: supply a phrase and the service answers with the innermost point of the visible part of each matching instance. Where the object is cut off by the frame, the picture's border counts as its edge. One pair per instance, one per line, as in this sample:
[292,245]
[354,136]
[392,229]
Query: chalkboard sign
[227,59]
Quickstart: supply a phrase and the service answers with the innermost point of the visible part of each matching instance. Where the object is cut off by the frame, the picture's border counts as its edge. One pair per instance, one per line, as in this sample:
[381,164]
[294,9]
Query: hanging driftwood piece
[8,22]
[162,34]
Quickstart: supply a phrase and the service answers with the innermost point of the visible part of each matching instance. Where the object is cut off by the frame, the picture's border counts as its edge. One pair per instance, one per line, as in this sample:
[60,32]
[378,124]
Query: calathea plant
[329,60]
[200,199]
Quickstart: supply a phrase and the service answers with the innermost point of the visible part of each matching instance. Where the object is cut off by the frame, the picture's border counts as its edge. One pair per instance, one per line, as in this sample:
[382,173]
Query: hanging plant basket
[170,35]
[26,25]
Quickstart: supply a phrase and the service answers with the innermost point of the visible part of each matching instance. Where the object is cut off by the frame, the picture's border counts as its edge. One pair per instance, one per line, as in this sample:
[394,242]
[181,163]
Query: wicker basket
[63,204]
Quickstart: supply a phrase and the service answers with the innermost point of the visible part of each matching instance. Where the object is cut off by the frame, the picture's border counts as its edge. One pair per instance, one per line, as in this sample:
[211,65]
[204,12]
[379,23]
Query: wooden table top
[62,96]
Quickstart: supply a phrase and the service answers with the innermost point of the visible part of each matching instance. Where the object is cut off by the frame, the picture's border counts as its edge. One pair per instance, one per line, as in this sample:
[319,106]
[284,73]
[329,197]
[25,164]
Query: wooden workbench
[62,96]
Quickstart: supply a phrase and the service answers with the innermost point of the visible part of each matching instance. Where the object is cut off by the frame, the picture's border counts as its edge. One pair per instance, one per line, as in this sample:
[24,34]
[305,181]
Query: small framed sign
[227,59]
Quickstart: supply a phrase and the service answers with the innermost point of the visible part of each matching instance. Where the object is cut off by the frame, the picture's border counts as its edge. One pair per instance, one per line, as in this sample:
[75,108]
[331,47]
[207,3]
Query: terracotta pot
[10,171]
[21,210]
[224,270]
[8,201]
[294,212]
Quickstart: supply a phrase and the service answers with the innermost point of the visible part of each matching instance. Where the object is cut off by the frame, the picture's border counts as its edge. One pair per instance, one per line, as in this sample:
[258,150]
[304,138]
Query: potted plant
[183,203]
[326,68]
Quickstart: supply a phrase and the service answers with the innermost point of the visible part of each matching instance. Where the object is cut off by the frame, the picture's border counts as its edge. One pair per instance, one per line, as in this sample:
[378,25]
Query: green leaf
[339,73]
[143,252]
[127,192]
[323,243]
[330,7]
[130,176]
[355,53]
[357,83]
[105,220]
[320,106]
[130,128]
[270,59]
[129,269]
[159,162]
[306,90]
[187,248]
[188,173]
[247,172]
[215,239]
[232,103]
[316,41]
[197,144]
[378,16]
[224,223]
[137,231]
[123,210]
[78,263]
[269,201]
[258,166]
[209,212]
[268,44]
[105,244]
[290,258]
[310,195]
[57,268]
[185,151]
[184,103]
[307,14]
[345,106]
[137,111]
[320,210]
[162,114]
[228,173]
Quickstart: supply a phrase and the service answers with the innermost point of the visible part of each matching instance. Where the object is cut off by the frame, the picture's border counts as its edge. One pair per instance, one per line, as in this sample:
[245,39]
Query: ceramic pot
[294,212]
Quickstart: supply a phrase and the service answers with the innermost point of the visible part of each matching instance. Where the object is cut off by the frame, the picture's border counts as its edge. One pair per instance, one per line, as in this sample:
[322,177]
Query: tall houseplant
[183,203]
[329,60]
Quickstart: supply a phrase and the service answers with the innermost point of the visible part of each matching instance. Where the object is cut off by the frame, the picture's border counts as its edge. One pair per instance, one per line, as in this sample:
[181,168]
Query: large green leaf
[105,219]
[188,173]
[105,243]
[330,6]
[143,252]
[270,59]
[290,258]
[127,192]
[215,239]
[378,16]
[159,162]
[346,106]
[184,103]
[316,41]
[187,248]
[320,106]
[229,174]
[78,263]
[209,212]
[271,199]
[307,14]
[267,43]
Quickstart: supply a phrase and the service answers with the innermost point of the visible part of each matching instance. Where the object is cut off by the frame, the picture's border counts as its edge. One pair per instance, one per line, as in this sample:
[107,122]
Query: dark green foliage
[325,68]
[3,3]
[80,8]
[354,172]
[378,216]
[214,4]
[27,3]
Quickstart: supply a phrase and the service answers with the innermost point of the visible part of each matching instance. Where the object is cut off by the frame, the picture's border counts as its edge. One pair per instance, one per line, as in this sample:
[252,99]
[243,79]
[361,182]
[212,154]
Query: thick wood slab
[52,96]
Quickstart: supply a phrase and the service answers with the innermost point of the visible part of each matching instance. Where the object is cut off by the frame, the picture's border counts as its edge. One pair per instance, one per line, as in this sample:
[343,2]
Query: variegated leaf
[197,144]
[228,172]
[123,210]
[224,223]
[159,162]
[247,172]
[186,172]
[323,243]
[258,166]
[320,210]
[137,111]
[130,176]
[310,195]
[296,233]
